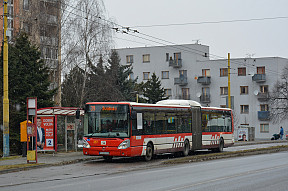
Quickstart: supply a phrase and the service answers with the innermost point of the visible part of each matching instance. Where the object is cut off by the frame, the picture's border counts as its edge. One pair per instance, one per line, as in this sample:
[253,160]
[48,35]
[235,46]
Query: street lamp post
[229,87]
[5,87]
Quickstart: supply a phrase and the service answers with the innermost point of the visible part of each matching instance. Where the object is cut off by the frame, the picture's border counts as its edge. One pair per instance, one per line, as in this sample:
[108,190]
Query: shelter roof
[59,111]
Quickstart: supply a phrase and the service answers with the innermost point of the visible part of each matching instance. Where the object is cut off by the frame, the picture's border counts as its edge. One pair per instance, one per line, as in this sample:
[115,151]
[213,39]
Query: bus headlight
[86,144]
[125,144]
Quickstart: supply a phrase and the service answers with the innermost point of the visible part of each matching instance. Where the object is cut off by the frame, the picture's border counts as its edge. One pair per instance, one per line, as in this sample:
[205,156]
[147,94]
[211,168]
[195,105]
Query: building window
[244,108]
[26,4]
[183,73]
[165,74]
[146,75]
[206,72]
[131,76]
[167,57]
[10,11]
[223,106]
[168,92]
[223,90]
[241,71]
[10,23]
[48,53]
[264,128]
[243,90]
[27,28]
[261,70]
[185,93]
[264,107]
[223,72]
[205,91]
[42,52]
[264,89]
[129,59]
[54,53]
[177,56]
[146,58]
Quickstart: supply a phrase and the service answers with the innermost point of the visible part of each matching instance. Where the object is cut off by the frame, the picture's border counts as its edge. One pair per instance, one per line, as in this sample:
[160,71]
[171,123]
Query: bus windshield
[108,120]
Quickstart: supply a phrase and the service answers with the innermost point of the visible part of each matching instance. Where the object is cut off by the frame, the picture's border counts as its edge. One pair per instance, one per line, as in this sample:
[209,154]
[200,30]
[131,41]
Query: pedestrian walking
[281,133]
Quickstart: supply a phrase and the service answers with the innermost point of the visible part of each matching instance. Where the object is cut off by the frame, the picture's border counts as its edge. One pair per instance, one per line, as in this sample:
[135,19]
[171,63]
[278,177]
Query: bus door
[196,128]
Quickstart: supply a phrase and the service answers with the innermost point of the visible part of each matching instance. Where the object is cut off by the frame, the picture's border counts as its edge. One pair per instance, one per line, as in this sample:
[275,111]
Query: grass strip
[212,156]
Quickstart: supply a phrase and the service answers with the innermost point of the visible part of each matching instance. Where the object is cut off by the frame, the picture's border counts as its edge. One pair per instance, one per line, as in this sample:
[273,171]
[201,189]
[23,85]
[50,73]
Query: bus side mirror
[133,115]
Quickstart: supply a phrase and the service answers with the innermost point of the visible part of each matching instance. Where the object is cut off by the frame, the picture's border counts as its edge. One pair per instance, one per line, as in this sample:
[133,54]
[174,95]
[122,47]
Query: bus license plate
[104,153]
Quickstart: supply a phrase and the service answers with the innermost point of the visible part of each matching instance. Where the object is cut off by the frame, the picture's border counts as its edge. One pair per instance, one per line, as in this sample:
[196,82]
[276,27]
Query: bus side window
[205,120]
[228,123]
[135,131]
[160,123]
[148,123]
[171,123]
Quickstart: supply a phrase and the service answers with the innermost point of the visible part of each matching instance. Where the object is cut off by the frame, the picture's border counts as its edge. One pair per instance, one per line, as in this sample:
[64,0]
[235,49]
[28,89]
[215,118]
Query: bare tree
[87,36]
[278,98]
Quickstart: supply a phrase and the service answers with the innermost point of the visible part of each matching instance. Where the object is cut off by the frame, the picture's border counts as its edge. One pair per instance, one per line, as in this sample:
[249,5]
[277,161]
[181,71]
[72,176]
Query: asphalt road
[259,172]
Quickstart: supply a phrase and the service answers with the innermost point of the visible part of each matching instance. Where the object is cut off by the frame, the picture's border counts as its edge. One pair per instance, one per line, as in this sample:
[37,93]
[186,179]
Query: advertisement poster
[242,134]
[47,123]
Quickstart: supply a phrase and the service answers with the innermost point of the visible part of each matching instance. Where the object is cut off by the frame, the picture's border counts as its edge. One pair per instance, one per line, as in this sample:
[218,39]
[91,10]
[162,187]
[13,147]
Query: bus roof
[178,102]
[166,103]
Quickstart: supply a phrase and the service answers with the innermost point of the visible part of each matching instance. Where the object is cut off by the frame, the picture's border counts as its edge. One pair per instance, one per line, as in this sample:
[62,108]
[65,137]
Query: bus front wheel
[149,152]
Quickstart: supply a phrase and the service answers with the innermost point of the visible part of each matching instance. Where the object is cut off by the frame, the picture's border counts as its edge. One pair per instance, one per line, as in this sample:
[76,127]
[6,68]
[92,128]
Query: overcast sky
[262,38]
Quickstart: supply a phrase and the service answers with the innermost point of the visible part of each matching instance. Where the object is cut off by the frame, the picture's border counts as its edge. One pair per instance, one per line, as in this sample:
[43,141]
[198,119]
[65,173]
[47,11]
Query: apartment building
[40,19]
[186,72]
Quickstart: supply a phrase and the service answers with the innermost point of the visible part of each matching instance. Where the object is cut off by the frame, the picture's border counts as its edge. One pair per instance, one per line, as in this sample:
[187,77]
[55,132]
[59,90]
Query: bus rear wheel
[149,152]
[186,148]
[221,146]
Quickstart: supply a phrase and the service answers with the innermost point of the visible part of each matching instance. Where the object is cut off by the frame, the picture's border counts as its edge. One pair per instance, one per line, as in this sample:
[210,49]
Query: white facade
[186,72]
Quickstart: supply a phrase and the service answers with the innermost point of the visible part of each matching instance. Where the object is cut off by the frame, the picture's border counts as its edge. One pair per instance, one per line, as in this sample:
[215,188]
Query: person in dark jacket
[281,133]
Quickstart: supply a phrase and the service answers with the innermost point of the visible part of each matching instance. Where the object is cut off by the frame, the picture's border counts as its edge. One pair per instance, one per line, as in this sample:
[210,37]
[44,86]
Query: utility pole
[5,86]
[229,87]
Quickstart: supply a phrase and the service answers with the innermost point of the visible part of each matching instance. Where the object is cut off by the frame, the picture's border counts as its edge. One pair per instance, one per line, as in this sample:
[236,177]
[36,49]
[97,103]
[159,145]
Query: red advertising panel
[48,126]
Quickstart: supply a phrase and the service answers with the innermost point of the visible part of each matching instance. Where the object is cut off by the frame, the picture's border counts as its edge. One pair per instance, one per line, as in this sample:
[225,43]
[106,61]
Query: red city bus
[127,129]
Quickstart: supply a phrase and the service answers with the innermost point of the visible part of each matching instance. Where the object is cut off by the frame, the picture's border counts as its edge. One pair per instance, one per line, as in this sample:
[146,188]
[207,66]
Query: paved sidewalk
[17,163]
[61,158]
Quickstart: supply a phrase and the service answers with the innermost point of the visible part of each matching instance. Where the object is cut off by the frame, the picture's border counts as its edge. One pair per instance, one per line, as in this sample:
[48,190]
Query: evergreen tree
[103,84]
[28,77]
[120,86]
[153,91]
[71,88]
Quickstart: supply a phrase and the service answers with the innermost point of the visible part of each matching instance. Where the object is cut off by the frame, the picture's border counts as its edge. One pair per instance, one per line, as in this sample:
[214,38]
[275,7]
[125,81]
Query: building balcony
[205,98]
[182,81]
[51,41]
[204,80]
[175,63]
[259,77]
[263,96]
[186,97]
[264,115]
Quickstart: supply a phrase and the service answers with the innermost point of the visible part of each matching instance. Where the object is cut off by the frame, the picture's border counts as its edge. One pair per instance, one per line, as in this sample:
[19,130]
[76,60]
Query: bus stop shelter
[62,129]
